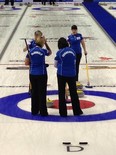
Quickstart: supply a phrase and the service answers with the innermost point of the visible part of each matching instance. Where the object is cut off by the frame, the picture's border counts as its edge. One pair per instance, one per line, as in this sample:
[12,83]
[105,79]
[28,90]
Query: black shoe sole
[78,114]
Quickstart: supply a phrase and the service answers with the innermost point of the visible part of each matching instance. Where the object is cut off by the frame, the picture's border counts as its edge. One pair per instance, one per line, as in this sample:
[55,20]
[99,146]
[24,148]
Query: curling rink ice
[111,11]
[24,134]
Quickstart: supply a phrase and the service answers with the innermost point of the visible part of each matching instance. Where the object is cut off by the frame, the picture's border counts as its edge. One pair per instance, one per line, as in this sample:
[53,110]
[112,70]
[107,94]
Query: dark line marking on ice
[13,86]
[11,64]
[104,61]
[4,26]
[104,86]
[56,25]
[20,86]
[8,15]
[16,60]
[12,34]
[31,15]
[101,62]
[101,67]
[18,68]
[90,38]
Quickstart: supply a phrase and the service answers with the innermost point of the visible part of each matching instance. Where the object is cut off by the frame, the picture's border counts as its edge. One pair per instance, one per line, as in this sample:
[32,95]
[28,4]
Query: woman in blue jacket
[65,61]
[38,76]
[31,45]
[76,40]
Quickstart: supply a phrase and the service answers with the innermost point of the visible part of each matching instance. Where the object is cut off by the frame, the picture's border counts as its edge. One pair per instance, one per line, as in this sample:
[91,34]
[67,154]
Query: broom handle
[27,46]
[87,69]
[30,86]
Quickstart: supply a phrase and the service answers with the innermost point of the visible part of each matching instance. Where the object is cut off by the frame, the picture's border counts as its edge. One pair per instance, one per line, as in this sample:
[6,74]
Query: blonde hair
[40,40]
[38,33]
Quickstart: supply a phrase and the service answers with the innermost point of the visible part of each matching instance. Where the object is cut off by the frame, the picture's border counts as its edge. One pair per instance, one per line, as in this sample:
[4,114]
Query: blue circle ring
[8,106]
[55,9]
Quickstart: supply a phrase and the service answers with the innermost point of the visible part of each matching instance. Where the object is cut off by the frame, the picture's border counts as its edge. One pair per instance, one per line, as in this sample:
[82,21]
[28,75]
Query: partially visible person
[12,3]
[44,2]
[38,76]
[31,45]
[65,62]
[52,2]
[75,41]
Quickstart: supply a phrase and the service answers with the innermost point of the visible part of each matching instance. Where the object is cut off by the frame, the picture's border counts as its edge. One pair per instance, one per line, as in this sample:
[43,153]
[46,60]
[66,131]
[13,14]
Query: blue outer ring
[55,10]
[8,106]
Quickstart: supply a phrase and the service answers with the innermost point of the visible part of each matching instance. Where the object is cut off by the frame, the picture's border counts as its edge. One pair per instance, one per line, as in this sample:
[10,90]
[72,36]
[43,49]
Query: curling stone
[29,4]
[80,93]
[49,103]
[13,7]
[21,4]
[111,7]
[76,4]
[25,3]
[79,85]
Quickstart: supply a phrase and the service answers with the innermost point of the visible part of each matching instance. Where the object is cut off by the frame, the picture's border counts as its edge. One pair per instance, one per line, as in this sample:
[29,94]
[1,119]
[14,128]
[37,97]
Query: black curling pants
[52,1]
[7,2]
[73,93]
[38,98]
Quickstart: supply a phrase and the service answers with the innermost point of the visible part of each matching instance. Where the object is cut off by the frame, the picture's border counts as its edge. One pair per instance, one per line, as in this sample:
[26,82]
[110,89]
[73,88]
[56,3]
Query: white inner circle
[102,105]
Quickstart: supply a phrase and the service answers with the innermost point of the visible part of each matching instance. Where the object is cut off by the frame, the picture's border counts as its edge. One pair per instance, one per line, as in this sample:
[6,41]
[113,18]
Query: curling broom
[87,71]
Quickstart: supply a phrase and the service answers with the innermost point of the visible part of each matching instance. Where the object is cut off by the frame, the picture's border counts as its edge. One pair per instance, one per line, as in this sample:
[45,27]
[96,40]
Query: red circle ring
[84,104]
